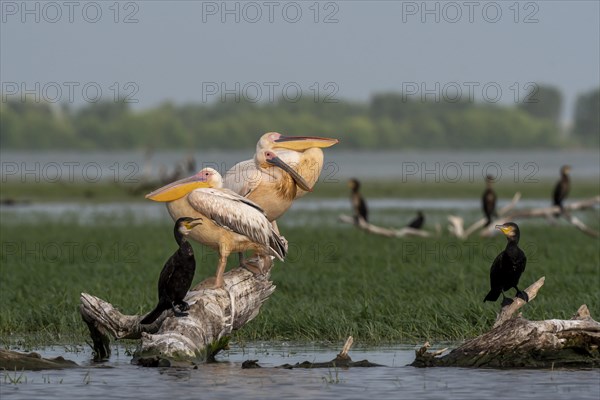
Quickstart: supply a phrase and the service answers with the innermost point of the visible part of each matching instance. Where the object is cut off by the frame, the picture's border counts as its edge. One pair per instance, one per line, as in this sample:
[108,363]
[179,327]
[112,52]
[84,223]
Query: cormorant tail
[492,295]
[154,314]
[558,214]
[523,295]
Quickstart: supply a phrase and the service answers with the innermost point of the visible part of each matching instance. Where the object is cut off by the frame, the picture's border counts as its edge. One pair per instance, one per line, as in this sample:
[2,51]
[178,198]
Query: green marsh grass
[337,281]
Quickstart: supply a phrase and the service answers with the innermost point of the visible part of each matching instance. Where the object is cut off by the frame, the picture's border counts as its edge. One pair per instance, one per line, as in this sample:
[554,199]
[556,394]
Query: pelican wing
[243,178]
[238,214]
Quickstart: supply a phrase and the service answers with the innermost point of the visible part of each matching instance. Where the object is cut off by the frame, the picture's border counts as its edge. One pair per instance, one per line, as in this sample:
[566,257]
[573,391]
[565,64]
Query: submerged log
[514,342]
[16,361]
[213,315]
[342,360]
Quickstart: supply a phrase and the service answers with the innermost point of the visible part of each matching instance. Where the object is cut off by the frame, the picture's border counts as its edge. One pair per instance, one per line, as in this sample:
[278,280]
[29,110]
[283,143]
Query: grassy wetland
[337,280]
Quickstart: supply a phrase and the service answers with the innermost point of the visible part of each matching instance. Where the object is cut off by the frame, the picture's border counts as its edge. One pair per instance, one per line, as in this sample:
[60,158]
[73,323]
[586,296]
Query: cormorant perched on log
[508,266]
[488,200]
[359,206]
[177,274]
[418,221]
[561,190]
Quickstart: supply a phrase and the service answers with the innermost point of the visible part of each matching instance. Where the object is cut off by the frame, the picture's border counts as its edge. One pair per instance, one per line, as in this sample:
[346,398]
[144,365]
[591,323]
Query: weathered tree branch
[514,342]
[507,312]
[457,223]
[549,212]
[213,315]
[388,232]
[456,226]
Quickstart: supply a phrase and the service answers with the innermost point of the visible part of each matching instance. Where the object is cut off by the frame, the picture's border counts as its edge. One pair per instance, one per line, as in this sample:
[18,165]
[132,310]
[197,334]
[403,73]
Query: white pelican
[274,186]
[230,222]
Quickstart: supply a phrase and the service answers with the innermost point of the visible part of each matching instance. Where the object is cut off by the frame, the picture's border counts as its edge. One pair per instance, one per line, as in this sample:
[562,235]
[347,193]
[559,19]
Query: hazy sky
[187,51]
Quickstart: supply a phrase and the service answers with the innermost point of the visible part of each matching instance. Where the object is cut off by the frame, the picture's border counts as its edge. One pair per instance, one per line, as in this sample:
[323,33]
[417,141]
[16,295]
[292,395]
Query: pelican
[229,222]
[274,186]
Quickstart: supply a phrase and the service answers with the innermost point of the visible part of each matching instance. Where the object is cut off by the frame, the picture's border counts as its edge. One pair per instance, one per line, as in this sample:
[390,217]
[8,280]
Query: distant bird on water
[507,267]
[177,274]
[562,188]
[488,200]
[359,206]
[418,221]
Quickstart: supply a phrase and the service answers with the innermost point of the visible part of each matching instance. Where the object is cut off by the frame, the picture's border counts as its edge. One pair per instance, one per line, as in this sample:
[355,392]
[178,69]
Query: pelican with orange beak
[283,169]
[229,222]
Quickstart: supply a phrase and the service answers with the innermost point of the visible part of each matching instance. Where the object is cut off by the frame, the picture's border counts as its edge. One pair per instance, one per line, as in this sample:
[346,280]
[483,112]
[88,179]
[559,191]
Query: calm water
[304,212]
[429,166]
[118,379]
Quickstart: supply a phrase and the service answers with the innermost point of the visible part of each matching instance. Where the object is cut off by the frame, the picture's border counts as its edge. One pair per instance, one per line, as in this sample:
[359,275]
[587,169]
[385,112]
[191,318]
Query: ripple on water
[225,379]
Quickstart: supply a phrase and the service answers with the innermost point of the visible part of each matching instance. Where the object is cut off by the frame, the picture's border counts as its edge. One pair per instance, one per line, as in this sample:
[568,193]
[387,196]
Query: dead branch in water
[514,342]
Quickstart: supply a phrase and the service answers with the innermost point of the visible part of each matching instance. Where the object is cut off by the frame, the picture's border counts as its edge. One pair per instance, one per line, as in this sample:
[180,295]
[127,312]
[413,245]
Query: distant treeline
[388,121]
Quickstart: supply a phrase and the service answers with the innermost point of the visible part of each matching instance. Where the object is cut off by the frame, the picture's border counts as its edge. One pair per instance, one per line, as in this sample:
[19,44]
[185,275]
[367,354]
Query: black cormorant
[418,221]
[488,200]
[508,266]
[561,190]
[359,206]
[177,274]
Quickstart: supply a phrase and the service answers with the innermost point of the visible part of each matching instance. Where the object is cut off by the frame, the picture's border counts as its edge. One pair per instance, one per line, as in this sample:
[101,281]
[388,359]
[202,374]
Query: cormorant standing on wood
[561,190]
[418,221]
[488,200]
[177,274]
[507,267]
[359,206]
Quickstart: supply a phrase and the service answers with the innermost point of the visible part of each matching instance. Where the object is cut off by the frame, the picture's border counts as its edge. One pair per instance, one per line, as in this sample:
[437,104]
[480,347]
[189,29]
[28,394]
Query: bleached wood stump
[213,315]
[515,342]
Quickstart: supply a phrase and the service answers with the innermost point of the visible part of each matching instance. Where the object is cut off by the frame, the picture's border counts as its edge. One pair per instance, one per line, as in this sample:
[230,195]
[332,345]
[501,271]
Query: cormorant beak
[507,230]
[301,143]
[193,223]
[178,189]
[298,179]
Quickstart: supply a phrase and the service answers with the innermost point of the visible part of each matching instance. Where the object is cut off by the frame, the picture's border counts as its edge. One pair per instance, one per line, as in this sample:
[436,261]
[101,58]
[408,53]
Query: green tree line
[387,121]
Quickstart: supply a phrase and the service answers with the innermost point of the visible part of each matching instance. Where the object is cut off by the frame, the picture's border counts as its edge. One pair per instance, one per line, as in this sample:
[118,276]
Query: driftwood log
[514,342]
[213,315]
[379,230]
[506,214]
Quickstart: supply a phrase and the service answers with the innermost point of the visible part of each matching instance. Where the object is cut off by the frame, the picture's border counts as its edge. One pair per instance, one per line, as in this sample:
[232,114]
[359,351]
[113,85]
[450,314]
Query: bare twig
[378,230]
